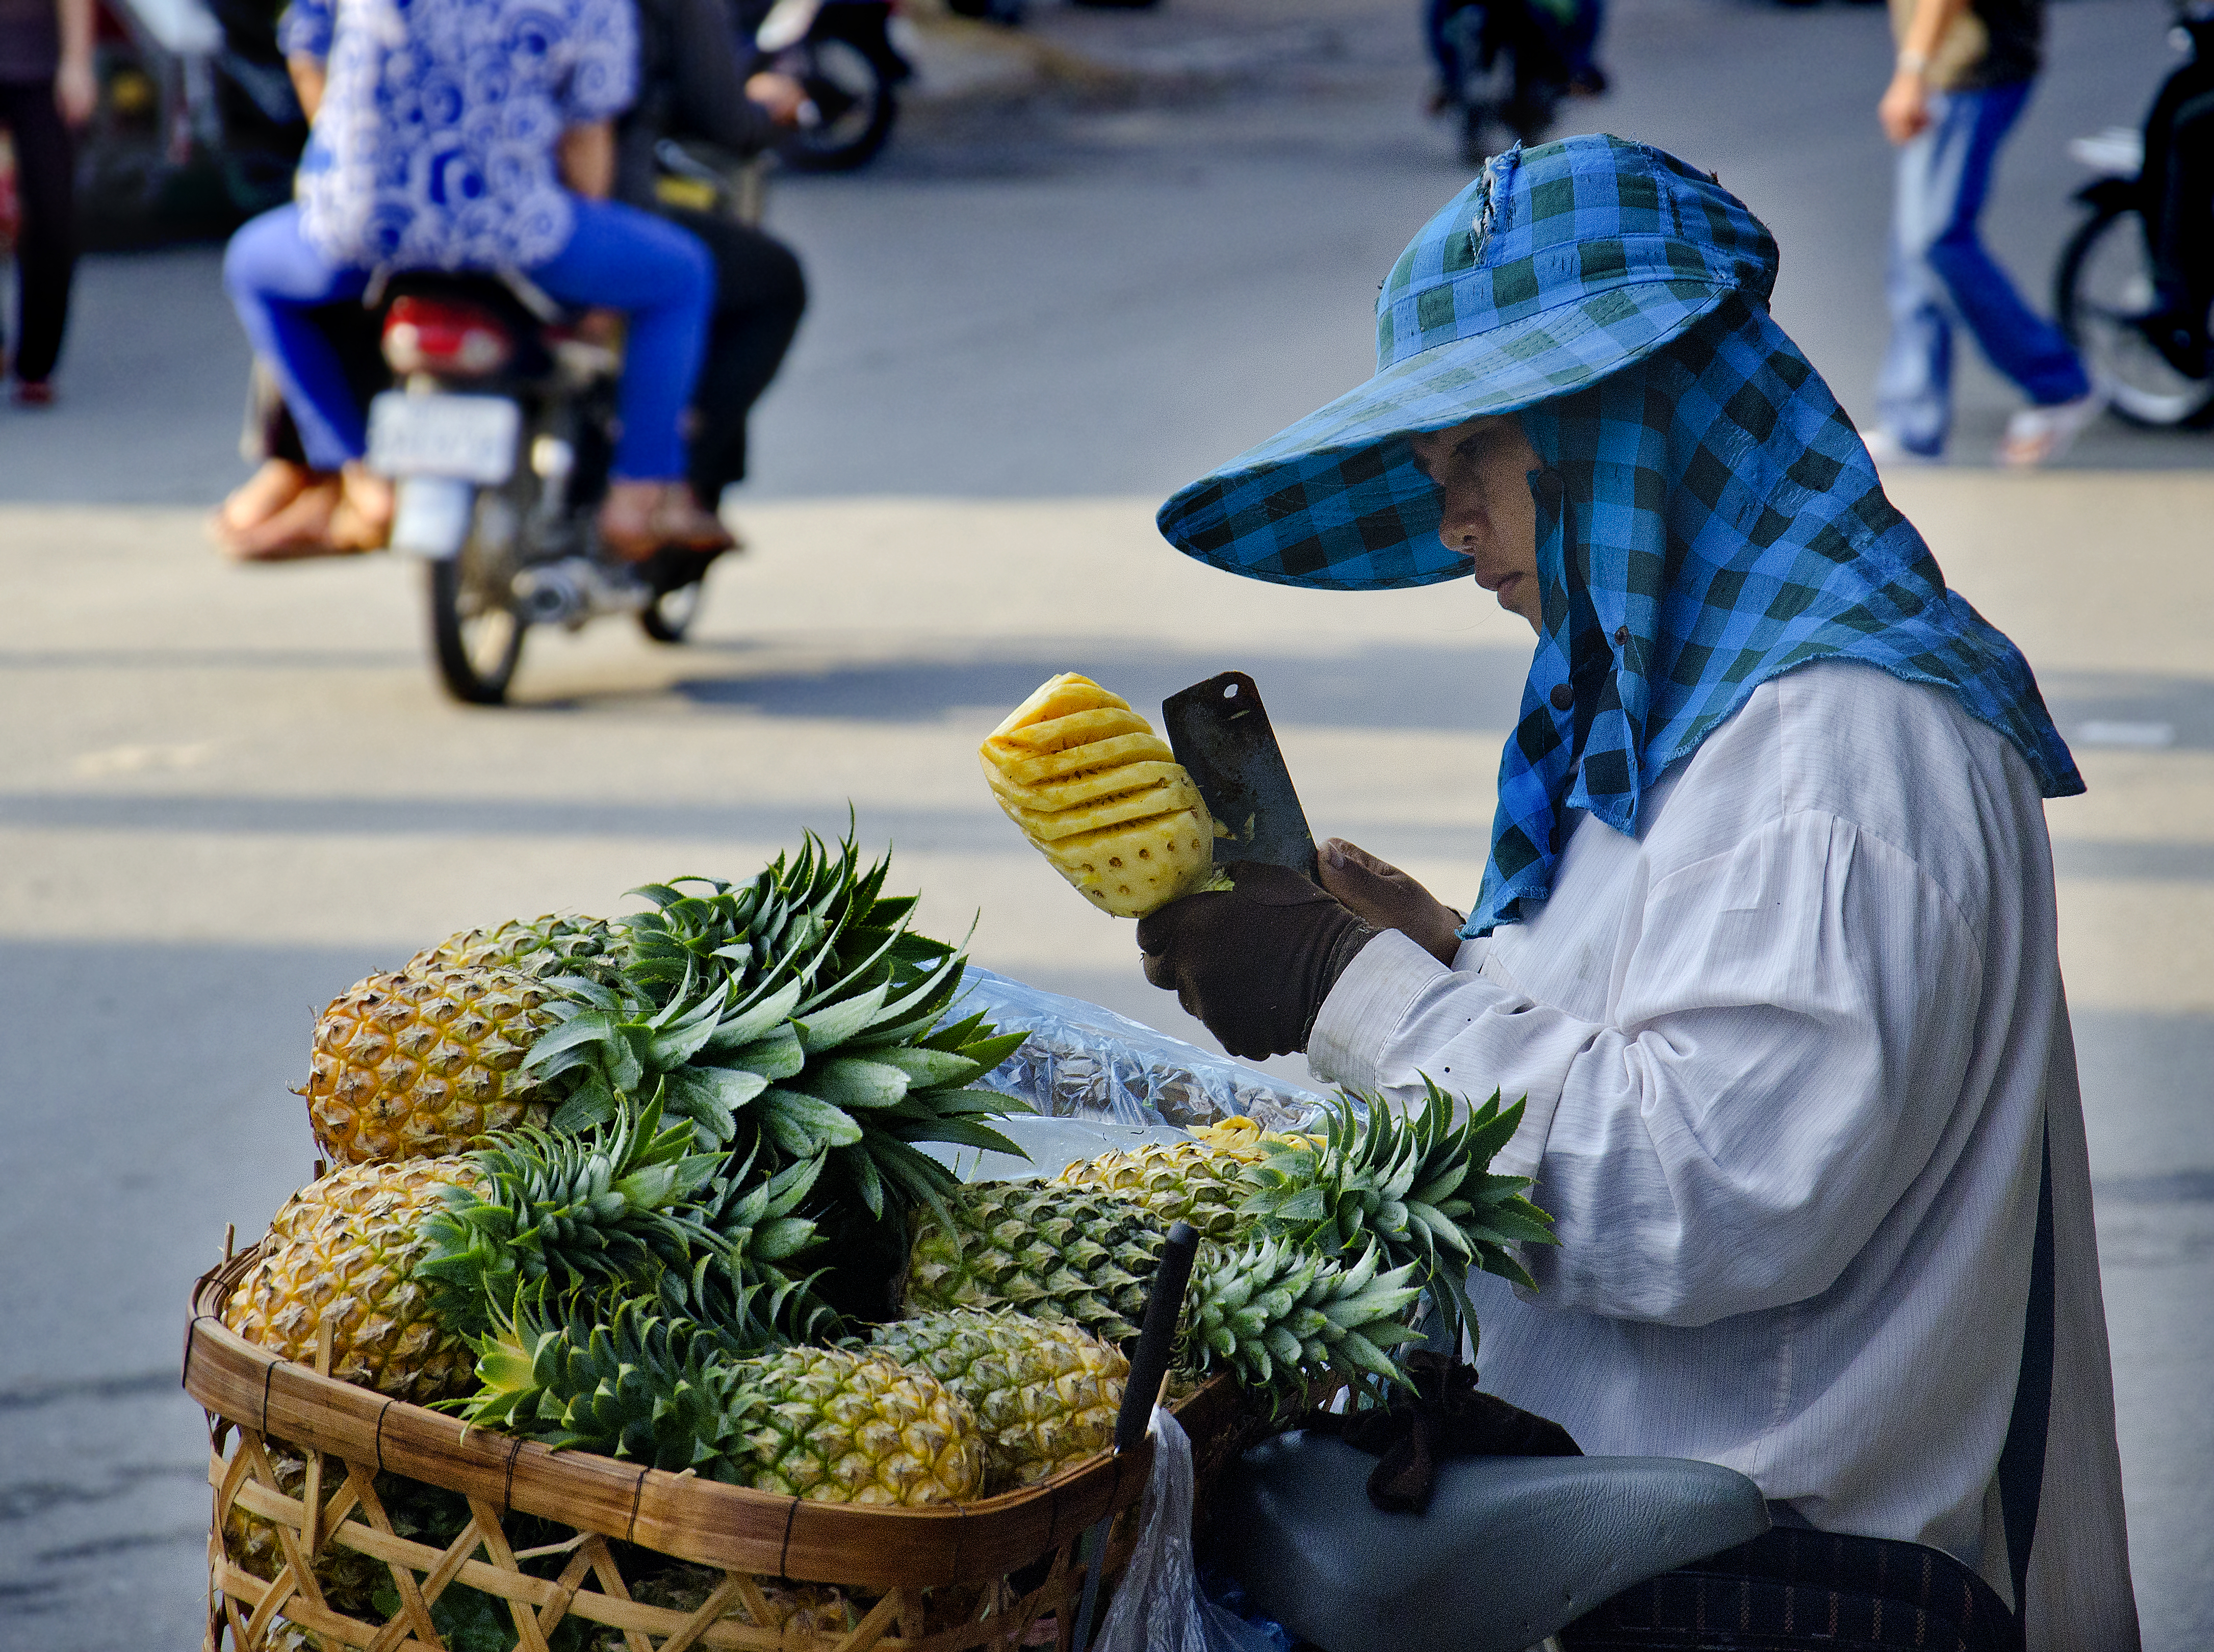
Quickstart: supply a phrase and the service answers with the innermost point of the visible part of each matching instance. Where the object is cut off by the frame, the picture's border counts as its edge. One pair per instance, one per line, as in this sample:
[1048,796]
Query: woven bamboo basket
[565,1538]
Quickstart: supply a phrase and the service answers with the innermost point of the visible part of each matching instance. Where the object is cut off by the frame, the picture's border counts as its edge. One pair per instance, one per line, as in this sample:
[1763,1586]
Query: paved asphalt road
[224,795]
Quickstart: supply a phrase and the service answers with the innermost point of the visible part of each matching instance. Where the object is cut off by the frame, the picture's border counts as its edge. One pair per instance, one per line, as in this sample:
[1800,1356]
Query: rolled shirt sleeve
[1790,1029]
[305,30]
[602,79]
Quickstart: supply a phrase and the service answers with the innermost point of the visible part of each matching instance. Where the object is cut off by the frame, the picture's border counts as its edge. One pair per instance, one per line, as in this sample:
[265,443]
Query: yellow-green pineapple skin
[344,1248]
[1045,1393]
[833,1425]
[416,1066]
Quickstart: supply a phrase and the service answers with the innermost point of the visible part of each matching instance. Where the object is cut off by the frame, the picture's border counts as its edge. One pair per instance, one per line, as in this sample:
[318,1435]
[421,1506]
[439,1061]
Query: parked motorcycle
[2103,289]
[842,51]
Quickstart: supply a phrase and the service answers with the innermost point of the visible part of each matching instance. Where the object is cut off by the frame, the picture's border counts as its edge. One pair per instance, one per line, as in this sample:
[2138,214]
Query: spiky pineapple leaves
[629,1206]
[795,1017]
[1417,1185]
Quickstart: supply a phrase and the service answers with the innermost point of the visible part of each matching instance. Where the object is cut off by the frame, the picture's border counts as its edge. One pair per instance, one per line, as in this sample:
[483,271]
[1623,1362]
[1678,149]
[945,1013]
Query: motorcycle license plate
[412,433]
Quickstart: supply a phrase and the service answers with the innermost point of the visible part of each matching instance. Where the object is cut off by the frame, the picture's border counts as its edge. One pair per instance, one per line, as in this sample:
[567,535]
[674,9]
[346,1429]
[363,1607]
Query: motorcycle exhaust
[574,590]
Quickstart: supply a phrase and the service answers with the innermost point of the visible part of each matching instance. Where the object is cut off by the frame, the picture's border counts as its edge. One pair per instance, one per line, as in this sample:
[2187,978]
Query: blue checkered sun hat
[1707,519]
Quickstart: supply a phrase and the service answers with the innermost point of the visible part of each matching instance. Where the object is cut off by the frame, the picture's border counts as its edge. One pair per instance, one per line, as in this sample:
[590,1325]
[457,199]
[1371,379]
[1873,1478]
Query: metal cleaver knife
[1219,731]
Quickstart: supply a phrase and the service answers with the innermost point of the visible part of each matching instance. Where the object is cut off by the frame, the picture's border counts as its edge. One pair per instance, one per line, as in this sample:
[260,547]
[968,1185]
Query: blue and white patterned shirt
[434,144]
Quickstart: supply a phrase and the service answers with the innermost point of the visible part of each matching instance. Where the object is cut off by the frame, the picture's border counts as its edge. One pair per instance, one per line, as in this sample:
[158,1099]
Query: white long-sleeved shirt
[1786,1054]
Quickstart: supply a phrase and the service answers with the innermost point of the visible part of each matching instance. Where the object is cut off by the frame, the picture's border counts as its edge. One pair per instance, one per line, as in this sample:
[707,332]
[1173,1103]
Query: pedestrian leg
[46,259]
[1914,388]
[2018,342]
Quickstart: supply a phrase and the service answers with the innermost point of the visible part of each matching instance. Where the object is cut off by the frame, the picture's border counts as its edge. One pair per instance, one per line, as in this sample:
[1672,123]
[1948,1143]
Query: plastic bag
[1157,1605]
[1085,1062]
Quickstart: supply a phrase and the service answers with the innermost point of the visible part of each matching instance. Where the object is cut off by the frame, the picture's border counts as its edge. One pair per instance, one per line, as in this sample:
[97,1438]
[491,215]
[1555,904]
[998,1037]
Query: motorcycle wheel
[2104,279]
[853,93]
[475,630]
[669,616]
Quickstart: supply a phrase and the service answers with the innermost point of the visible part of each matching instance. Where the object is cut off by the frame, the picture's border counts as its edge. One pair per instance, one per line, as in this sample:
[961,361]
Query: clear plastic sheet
[1157,1605]
[1084,1061]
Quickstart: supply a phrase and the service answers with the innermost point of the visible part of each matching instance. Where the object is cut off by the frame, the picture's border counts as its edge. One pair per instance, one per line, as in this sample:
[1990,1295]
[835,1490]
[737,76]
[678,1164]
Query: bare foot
[362,519]
[261,496]
[638,518]
[1383,897]
[299,529]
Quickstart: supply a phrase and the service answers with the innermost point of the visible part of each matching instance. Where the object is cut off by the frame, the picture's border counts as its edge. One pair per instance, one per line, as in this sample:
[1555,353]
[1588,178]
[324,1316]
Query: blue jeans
[1940,270]
[618,256]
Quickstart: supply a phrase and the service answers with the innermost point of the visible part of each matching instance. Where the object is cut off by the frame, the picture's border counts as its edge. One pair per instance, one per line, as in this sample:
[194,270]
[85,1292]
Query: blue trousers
[1940,271]
[618,257]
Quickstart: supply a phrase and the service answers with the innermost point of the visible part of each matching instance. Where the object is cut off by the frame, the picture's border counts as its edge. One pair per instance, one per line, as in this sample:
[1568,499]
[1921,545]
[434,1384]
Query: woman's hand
[1383,897]
[1253,962]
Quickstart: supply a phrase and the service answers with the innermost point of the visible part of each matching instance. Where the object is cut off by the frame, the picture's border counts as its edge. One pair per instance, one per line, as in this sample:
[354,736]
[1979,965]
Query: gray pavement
[224,795]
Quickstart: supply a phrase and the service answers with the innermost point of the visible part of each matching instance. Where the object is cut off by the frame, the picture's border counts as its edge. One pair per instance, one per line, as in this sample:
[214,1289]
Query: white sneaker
[2037,436]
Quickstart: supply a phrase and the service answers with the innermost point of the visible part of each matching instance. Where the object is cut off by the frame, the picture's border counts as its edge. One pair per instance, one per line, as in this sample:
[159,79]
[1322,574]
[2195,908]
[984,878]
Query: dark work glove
[1445,1417]
[1255,962]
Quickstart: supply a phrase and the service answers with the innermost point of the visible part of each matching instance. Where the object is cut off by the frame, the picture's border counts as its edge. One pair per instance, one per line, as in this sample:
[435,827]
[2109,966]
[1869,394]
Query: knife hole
[1230,691]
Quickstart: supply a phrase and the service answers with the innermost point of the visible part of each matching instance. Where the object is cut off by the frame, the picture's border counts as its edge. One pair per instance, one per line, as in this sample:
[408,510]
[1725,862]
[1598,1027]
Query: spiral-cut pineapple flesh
[1101,795]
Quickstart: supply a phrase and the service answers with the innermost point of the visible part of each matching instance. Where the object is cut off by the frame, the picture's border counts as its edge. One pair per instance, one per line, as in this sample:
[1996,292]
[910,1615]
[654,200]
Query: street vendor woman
[1767,933]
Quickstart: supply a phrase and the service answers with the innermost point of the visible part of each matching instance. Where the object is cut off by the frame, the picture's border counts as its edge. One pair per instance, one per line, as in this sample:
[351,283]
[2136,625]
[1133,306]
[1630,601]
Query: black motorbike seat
[1511,1549]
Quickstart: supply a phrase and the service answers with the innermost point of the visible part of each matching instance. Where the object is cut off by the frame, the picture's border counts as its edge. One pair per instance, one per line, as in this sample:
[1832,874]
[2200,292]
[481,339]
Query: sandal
[2037,436]
[638,518]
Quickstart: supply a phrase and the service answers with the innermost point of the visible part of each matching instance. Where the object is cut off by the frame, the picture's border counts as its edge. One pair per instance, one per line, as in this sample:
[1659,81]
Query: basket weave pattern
[987,1576]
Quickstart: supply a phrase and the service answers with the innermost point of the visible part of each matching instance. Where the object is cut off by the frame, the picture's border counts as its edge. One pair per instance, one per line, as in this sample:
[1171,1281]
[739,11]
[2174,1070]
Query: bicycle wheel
[2104,279]
[476,633]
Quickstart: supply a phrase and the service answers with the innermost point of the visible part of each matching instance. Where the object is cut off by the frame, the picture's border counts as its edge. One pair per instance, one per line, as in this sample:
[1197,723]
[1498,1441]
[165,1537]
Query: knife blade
[1219,731]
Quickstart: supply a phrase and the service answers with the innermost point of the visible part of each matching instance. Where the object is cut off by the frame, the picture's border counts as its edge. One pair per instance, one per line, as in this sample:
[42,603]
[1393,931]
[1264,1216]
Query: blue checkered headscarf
[1707,518]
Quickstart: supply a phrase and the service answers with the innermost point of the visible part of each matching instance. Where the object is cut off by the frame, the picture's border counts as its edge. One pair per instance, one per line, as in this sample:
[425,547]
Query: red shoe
[34,393]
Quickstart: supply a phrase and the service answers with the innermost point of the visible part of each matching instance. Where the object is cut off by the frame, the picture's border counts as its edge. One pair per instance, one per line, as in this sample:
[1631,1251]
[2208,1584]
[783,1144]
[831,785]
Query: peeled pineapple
[1101,795]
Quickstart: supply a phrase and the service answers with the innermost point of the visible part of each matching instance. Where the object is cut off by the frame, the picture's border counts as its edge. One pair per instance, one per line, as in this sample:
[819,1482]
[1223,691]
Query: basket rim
[704,1522]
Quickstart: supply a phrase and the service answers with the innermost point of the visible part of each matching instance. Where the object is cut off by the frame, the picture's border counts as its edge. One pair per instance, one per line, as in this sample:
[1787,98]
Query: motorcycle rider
[471,134]
[693,83]
[1767,938]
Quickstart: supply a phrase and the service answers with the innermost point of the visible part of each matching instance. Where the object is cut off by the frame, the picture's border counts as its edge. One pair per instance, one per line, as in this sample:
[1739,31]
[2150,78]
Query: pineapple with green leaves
[828,1424]
[621,1206]
[419,1065]
[1417,1186]
[550,947]
[1045,1393]
[1200,1179]
[1283,1319]
[793,1017]
[1277,1315]
[1036,1248]
[347,1249]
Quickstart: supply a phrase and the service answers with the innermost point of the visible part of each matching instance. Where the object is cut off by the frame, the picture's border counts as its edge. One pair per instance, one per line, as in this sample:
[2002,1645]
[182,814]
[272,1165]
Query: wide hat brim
[1337,502]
